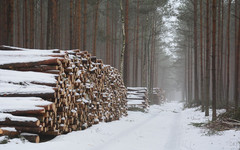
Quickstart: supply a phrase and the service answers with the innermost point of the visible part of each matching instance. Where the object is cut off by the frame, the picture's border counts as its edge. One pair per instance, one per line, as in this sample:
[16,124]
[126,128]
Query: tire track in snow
[174,137]
[170,128]
[125,133]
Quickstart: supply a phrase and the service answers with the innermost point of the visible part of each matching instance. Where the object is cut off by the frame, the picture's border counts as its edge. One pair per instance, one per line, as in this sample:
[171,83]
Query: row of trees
[99,26]
[209,38]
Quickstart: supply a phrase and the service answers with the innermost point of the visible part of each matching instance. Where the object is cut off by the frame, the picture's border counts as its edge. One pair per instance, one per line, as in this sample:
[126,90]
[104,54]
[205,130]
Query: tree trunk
[95,28]
[142,55]
[196,94]
[31,32]
[41,28]
[107,34]
[1,22]
[71,24]
[18,23]
[10,4]
[112,38]
[126,53]
[218,62]
[123,40]
[79,24]
[55,41]
[228,53]
[189,72]
[214,115]
[207,62]
[25,33]
[186,72]
[49,25]
[201,51]
[221,55]
[115,37]
[85,26]
[237,68]
[137,43]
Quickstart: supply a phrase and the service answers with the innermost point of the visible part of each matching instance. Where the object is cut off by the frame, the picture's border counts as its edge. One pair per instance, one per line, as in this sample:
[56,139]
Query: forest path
[160,129]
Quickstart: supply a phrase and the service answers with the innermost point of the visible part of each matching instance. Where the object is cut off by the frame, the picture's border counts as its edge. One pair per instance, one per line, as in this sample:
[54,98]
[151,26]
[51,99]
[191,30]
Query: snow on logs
[137,97]
[51,92]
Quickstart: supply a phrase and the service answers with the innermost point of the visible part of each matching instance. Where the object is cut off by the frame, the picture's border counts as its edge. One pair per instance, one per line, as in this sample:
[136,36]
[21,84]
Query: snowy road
[149,131]
[166,127]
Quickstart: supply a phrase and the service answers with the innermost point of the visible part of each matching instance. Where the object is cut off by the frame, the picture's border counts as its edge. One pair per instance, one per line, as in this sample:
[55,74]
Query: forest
[107,54]
[92,25]
[206,41]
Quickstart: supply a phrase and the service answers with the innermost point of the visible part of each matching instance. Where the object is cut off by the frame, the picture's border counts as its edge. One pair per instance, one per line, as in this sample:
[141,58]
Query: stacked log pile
[62,91]
[158,96]
[137,97]
[88,91]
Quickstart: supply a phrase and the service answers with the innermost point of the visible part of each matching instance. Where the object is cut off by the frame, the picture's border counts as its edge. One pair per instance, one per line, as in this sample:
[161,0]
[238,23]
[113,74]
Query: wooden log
[41,68]
[10,123]
[41,95]
[28,112]
[93,59]
[59,55]
[47,84]
[54,61]
[34,138]
[53,71]
[51,133]
[50,107]
[9,131]
[29,129]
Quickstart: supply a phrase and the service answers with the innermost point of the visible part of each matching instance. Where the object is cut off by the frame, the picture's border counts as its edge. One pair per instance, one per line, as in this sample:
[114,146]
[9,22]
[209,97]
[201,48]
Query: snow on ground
[166,127]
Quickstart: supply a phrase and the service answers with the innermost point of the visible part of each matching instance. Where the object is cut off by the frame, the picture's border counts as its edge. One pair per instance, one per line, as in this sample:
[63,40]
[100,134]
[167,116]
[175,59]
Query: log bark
[47,84]
[15,66]
[41,95]
[51,133]
[10,122]
[9,133]
[34,138]
[41,68]
[29,129]
[27,112]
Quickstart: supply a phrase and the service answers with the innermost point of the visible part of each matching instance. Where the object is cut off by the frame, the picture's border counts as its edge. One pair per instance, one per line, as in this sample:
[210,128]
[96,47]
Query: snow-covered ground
[166,127]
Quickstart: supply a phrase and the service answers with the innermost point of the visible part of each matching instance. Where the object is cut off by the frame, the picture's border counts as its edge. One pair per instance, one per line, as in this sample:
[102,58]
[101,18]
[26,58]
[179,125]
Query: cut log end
[34,138]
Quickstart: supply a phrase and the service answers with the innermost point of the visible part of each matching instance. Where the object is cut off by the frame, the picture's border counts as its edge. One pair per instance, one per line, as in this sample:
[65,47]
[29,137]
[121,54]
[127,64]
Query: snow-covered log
[32,65]
[137,97]
[34,138]
[9,131]
[10,120]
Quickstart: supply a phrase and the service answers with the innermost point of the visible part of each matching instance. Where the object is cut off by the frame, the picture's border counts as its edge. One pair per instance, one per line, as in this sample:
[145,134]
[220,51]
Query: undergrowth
[233,114]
